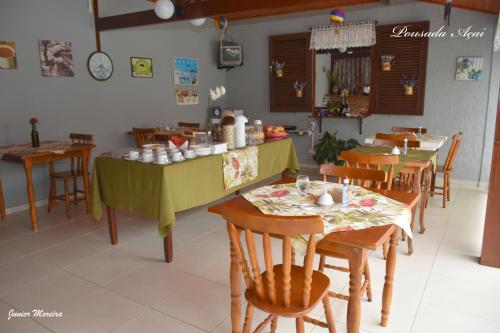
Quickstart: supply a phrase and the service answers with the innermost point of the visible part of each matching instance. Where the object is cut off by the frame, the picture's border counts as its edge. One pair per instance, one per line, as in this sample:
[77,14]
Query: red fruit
[236,164]
[279,193]
[368,202]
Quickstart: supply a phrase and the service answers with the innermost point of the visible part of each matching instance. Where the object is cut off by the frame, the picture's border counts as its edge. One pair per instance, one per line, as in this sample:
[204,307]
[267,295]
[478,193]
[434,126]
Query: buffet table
[159,191]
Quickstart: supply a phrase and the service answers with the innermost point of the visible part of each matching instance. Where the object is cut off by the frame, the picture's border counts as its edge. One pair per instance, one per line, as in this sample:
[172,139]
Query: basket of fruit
[275,132]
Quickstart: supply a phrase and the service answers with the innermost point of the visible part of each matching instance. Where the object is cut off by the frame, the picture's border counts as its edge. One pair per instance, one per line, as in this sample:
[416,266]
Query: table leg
[412,223]
[85,168]
[356,264]
[235,283]
[31,194]
[390,266]
[113,231]
[168,247]
[423,200]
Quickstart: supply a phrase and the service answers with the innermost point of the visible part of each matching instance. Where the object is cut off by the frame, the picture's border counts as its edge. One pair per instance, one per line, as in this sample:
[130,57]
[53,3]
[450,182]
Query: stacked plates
[202,151]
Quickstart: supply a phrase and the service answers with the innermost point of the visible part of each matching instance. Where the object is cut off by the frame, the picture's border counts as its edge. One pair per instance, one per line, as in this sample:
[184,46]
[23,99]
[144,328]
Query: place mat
[366,209]
[240,166]
[56,147]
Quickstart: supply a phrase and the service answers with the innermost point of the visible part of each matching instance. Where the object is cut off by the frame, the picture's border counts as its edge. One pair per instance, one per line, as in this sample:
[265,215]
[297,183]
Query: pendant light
[164,9]
[198,22]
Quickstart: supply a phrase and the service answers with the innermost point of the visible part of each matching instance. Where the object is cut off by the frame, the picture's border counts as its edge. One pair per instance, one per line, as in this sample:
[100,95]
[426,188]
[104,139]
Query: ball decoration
[221,23]
[198,22]
[337,16]
[164,9]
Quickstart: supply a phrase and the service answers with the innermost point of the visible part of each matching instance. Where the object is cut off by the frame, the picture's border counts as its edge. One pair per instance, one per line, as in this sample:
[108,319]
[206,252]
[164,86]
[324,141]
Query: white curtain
[343,36]
[496,41]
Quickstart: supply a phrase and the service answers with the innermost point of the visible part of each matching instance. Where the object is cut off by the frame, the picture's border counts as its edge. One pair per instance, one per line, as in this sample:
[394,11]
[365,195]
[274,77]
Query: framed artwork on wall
[141,67]
[469,68]
[56,58]
[8,59]
[186,71]
[186,96]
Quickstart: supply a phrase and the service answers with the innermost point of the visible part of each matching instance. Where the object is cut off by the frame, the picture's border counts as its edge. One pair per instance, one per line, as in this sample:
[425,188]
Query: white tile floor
[70,267]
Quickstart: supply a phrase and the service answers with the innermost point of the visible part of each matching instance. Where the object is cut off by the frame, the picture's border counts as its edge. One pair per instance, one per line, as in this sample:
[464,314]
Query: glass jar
[258,132]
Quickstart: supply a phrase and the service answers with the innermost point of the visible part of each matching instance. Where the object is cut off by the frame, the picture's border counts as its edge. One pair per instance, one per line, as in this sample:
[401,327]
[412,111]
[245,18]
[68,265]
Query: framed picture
[141,67]
[186,96]
[56,58]
[469,68]
[186,71]
[8,59]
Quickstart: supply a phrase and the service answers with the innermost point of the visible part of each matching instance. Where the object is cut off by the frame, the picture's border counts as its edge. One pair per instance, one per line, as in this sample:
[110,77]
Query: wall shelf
[320,120]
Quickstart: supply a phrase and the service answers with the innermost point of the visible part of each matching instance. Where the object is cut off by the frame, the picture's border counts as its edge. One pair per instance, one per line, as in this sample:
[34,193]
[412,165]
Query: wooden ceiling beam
[233,10]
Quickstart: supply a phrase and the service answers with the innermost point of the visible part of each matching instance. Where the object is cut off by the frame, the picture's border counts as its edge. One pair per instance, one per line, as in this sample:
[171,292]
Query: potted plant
[328,149]
[408,85]
[334,82]
[278,68]
[299,88]
[387,60]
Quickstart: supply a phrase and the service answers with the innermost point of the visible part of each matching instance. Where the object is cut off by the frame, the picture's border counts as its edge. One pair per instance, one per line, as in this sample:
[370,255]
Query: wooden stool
[286,289]
[73,175]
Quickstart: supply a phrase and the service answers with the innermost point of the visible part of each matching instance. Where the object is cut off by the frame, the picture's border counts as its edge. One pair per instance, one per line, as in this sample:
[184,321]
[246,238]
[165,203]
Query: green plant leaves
[328,149]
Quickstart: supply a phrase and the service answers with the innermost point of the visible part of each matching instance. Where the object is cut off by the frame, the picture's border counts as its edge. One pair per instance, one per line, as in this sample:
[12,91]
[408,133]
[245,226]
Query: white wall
[450,106]
[81,104]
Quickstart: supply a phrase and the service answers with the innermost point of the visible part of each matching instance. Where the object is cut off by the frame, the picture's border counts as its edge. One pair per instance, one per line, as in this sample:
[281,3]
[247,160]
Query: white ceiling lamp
[198,22]
[164,9]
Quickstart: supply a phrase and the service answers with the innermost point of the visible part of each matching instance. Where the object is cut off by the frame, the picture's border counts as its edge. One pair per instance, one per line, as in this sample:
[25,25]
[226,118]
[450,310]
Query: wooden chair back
[77,162]
[188,125]
[366,177]
[162,138]
[372,161]
[397,129]
[398,137]
[452,153]
[412,144]
[249,222]
[143,136]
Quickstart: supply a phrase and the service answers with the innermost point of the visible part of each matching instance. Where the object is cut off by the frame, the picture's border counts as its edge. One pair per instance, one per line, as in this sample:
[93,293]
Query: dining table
[47,152]
[419,163]
[355,242]
[159,191]
[427,141]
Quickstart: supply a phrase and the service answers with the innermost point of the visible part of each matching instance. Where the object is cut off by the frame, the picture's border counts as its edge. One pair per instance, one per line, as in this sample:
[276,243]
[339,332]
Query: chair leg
[385,249]
[66,197]
[299,325]
[248,318]
[2,203]
[366,274]
[274,324]
[75,190]
[412,223]
[448,186]
[403,235]
[433,183]
[329,314]
[445,189]
[321,263]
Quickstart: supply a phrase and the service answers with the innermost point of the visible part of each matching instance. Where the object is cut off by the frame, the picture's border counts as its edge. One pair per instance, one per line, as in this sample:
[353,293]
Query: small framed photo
[469,68]
[141,67]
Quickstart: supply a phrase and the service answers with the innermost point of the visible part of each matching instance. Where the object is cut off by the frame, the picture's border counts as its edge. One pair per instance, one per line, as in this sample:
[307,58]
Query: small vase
[279,72]
[386,66]
[35,140]
[299,92]
[408,90]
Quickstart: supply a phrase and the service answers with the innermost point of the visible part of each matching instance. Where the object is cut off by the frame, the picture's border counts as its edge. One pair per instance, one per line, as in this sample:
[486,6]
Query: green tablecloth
[413,155]
[158,191]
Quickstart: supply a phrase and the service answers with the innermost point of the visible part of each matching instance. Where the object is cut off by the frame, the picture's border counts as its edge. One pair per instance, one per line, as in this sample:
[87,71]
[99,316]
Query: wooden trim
[484,6]
[95,7]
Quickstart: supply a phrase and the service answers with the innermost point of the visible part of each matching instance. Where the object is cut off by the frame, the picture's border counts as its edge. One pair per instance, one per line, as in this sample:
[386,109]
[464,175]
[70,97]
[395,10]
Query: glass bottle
[35,140]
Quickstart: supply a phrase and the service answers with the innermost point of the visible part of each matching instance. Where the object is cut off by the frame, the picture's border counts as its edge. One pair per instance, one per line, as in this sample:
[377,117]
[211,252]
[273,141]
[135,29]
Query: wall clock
[100,66]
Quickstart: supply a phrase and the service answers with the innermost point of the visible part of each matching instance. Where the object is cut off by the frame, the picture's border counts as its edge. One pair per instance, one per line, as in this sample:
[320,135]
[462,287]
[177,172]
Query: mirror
[342,81]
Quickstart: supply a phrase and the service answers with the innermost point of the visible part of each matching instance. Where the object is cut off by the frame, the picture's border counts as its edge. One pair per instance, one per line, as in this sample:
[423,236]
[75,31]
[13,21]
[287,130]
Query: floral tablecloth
[240,166]
[56,147]
[366,209]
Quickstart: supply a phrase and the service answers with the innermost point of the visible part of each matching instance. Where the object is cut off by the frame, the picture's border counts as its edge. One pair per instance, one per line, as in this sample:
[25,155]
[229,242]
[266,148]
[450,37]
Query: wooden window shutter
[293,49]
[410,61]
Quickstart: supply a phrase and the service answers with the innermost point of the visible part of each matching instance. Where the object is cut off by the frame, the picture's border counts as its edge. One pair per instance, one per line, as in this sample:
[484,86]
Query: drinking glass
[302,183]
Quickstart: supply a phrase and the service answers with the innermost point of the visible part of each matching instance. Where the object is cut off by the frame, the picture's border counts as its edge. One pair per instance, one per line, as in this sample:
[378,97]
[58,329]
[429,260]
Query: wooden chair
[285,289]
[412,144]
[446,170]
[2,203]
[397,129]
[396,137]
[162,138]
[75,173]
[188,125]
[143,136]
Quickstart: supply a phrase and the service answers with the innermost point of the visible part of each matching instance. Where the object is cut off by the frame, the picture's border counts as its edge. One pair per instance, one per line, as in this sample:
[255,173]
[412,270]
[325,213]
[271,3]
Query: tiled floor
[70,267]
